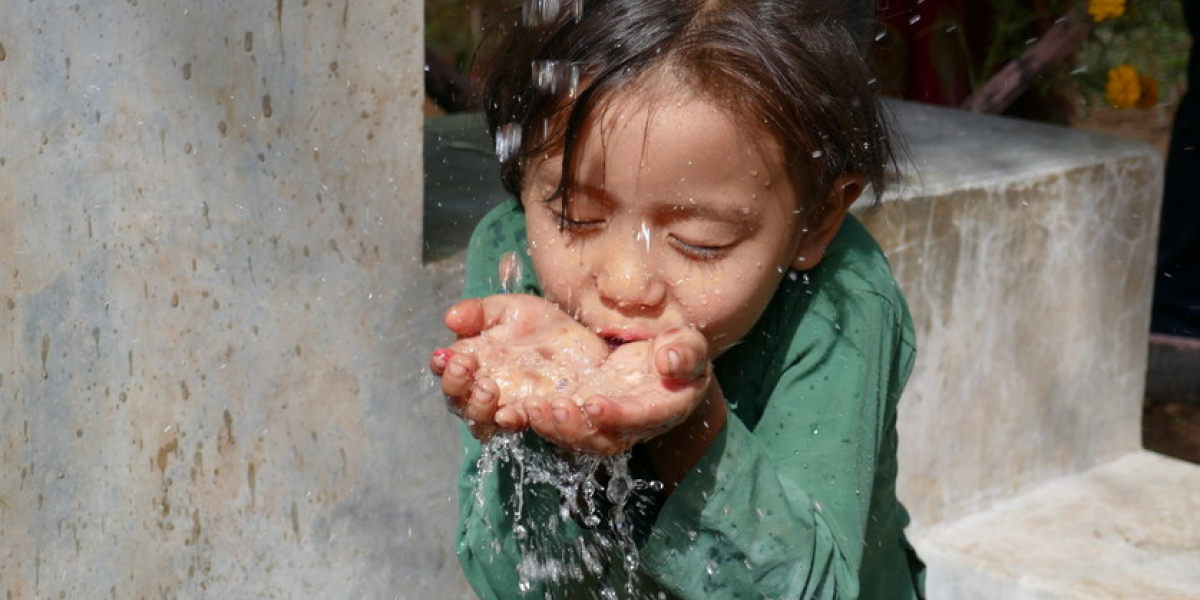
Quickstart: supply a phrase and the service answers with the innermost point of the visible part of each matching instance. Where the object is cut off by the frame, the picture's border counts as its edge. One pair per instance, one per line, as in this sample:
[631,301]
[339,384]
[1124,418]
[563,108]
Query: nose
[627,278]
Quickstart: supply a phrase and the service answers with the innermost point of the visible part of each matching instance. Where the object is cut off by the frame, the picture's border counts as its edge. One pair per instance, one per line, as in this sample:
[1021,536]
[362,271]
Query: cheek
[558,269]
[726,305]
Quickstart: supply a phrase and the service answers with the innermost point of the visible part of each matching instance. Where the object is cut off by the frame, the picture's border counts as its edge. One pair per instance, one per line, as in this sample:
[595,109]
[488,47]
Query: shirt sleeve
[780,505]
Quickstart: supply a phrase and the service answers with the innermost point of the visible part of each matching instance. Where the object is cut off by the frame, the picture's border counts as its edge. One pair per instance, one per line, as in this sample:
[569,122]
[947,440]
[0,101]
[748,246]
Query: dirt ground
[1172,429]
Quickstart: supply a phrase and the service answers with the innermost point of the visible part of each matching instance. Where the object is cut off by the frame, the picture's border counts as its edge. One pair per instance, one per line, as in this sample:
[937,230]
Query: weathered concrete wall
[213,315]
[1026,253]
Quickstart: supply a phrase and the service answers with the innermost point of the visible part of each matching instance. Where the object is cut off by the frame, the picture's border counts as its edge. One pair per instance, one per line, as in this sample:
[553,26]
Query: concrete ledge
[1124,530]
[1026,254]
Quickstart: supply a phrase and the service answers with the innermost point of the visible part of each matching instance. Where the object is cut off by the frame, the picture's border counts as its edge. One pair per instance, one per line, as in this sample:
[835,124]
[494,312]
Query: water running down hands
[521,362]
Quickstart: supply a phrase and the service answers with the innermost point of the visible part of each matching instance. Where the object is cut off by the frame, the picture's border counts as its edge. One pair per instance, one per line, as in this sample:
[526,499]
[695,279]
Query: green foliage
[1150,36]
[448,30]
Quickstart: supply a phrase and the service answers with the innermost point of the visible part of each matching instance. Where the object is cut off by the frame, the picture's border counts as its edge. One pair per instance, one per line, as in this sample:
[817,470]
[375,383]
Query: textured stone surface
[213,311]
[1026,254]
[1127,529]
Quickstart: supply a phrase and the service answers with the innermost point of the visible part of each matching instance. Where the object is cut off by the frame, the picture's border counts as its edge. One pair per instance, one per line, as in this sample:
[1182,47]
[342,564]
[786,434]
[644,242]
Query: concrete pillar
[213,312]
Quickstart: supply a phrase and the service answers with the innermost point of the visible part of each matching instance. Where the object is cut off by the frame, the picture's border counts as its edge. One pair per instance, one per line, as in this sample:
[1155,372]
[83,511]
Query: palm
[527,345]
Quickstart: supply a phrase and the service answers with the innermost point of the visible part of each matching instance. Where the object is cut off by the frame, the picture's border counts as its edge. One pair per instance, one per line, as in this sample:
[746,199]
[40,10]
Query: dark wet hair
[796,69]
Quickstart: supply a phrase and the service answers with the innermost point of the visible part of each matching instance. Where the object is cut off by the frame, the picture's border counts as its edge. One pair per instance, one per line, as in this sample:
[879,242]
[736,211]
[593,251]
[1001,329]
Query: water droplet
[644,235]
[556,77]
[508,141]
[510,272]
[540,12]
[817,154]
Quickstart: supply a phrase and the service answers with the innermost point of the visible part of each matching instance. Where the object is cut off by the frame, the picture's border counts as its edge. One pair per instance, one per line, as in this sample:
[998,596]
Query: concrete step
[1128,529]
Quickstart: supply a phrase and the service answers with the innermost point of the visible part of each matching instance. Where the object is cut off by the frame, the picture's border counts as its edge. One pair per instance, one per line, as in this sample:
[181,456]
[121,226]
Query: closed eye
[573,224]
[698,251]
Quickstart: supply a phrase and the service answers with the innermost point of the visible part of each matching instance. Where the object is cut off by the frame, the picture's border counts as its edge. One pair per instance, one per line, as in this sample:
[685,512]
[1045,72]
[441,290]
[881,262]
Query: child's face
[678,217]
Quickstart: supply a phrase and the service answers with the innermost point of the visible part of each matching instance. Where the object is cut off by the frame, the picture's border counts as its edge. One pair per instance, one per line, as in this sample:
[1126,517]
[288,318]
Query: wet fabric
[796,497]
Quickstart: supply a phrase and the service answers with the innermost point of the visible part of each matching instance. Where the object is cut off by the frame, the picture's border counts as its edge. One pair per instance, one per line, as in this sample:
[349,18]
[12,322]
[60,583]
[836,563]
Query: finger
[459,375]
[438,360]
[565,425]
[512,417]
[533,409]
[651,414]
[480,410]
[466,317]
[475,315]
[547,417]
[680,353]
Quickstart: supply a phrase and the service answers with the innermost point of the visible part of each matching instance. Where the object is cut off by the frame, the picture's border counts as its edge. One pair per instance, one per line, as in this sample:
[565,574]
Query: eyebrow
[704,211]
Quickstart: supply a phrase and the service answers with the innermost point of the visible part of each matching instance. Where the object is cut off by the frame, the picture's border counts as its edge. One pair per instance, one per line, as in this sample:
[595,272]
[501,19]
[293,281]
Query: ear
[824,224]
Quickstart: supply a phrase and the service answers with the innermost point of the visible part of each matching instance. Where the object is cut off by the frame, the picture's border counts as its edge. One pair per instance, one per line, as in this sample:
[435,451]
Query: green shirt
[796,497]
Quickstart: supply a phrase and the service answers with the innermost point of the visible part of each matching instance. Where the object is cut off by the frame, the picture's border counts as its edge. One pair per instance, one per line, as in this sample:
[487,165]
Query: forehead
[669,148]
[661,120]
[666,98]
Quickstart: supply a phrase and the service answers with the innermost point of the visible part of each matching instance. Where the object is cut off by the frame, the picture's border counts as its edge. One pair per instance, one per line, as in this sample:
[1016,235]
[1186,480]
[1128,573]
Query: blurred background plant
[1120,68]
[944,51]
[1145,42]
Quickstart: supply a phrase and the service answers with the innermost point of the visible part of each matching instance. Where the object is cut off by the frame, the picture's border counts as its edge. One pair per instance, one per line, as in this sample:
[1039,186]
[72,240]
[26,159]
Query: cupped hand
[643,389]
[510,348]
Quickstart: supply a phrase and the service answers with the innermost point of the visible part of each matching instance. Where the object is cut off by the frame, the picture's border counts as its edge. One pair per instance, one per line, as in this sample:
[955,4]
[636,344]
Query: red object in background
[920,49]
[928,49]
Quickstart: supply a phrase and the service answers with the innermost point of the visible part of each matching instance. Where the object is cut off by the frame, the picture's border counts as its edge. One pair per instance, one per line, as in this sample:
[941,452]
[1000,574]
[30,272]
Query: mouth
[616,338]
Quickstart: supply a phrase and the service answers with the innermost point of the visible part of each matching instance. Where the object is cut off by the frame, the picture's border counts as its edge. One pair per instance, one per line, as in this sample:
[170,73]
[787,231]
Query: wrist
[676,452]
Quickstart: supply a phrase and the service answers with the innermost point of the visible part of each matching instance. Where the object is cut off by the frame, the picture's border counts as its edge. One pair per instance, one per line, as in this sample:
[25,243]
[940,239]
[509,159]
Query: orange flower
[1102,10]
[1123,89]
[1150,91]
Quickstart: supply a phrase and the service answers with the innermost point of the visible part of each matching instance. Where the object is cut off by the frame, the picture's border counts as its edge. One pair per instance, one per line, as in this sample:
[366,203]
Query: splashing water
[604,558]
[555,77]
[539,12]
[508,141]
[511,273]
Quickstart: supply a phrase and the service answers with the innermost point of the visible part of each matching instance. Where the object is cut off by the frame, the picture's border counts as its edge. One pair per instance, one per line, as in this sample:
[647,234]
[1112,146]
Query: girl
[691,289]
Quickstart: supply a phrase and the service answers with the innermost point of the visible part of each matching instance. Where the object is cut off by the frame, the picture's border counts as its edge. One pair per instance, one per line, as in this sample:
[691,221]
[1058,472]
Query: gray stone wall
[213,314]
[1026,254]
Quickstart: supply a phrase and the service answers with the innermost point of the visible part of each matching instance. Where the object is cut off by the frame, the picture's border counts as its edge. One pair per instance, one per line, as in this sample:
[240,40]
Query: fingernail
[483,395]
[443,355]
[560,414]
[456,370]
[673,362]
[593,409]
[504,417]
[534,414]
